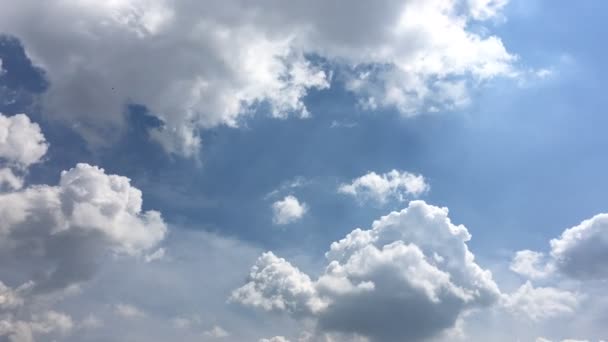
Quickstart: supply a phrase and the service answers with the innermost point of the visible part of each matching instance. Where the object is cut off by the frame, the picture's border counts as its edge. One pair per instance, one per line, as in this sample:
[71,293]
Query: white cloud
[538,303]
[579,252]
[128,311]
[21,145]
[197,64]
[21,142]
[9,181]
[274,339]
[9,298]
[46,323]
[53,238]
[216,332]
[582,251]
[415,258]
[288,210]
[274,284]
[530,264]
[394,184]
[73,224]
[157,255]
[484,9]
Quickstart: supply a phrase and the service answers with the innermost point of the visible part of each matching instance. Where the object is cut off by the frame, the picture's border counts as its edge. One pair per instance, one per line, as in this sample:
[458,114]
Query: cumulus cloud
[52,238]
[196,64]
[539,303]
[580,253]
[73,224]
[530,264]
[415,258]
[21,145]
[381,187]
[288,210]
[21,141]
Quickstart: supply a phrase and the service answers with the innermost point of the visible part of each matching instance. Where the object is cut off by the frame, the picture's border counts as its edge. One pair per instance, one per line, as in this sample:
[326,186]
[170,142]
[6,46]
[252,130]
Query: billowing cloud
[288,210]
[415,258]
[196,64]
[52,238]
[62,231]
[381,187]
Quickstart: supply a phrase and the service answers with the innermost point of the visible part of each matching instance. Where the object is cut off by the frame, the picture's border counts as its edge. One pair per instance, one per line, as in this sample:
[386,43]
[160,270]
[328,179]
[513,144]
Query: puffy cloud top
[393,184]
[288,210]
[73,224]
[412,258]
[21,141]
[539,303]
[582,251]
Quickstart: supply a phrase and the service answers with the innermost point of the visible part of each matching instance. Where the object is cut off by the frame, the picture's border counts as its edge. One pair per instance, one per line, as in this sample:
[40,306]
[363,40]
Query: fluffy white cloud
[415,258]
[71,225]
[539,303]
[530,264]
[52,238]
[274,284]
[21,145]
[21,141]
[288,210]
[198,64]
[394,184]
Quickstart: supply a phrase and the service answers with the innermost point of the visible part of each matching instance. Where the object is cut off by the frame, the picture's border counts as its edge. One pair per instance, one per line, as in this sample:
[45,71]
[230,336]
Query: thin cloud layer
[412,258]
[198,64]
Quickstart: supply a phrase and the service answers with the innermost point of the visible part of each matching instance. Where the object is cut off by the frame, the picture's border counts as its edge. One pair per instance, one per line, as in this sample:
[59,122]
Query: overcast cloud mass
[303,171]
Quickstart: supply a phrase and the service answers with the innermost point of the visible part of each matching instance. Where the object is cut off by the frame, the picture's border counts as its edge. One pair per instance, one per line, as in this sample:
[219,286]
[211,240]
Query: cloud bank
[198,64]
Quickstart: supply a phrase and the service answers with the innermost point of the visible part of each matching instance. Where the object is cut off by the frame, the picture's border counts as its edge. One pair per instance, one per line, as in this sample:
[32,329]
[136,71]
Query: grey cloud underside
[199,64]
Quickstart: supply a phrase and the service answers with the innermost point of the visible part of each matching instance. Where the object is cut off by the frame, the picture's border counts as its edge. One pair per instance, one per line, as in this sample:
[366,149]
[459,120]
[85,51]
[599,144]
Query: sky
[270,171]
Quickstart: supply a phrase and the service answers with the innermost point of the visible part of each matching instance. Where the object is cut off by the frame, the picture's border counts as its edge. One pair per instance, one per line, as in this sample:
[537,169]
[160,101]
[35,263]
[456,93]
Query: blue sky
[518,163]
